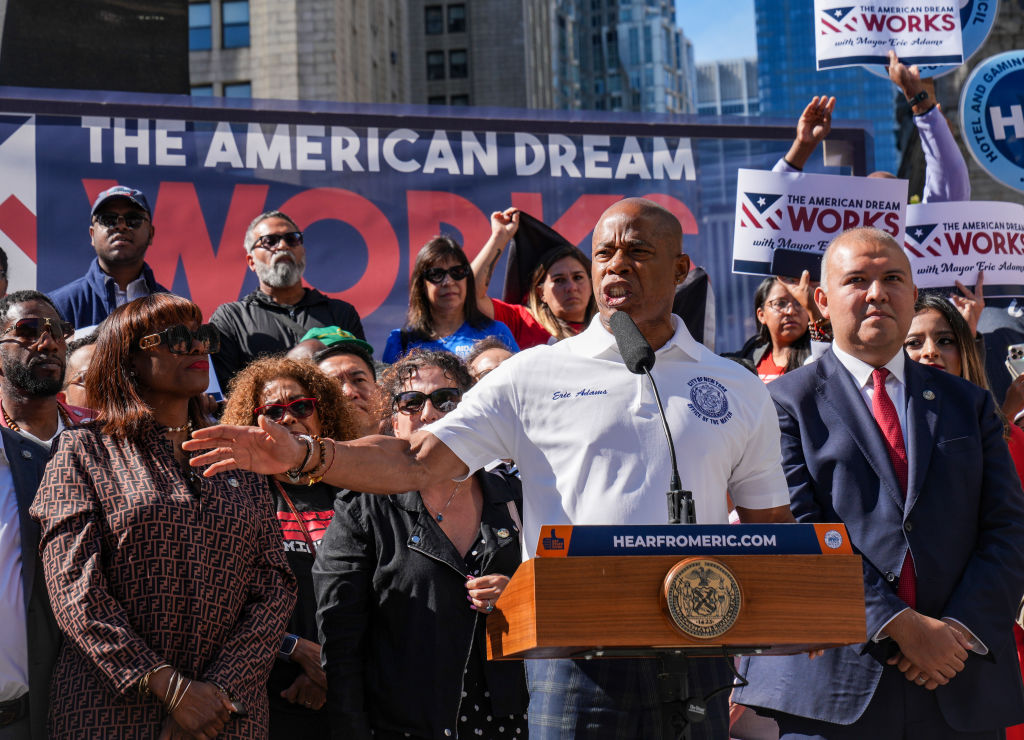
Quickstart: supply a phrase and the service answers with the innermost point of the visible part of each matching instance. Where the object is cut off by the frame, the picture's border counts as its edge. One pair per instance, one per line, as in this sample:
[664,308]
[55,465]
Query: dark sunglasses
[179,339]
[110,220]
[444,400]
[300,408]
[436,275]
[270,241]
[31,329]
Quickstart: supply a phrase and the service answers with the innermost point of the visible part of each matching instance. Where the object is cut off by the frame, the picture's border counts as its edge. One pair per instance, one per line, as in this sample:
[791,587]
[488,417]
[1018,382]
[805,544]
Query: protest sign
[976,20]
[947,242]
[920,33]
[992,117]
[784,221]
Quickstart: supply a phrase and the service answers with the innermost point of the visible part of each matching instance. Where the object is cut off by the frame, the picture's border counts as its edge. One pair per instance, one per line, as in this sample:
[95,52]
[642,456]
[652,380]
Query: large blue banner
[368,185]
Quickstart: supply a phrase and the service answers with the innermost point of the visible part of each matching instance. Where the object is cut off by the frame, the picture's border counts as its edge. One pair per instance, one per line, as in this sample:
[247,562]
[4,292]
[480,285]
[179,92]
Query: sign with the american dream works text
[976,20]
[863,33]
[992,117]
[947,242]
[784,221]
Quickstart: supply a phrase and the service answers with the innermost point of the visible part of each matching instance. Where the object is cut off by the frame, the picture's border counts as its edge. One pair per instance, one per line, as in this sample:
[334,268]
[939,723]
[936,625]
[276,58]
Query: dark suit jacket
[27,460]
[963,520]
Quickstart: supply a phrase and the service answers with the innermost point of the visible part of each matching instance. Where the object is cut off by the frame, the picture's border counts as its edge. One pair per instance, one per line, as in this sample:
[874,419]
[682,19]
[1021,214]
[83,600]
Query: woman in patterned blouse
[171,589]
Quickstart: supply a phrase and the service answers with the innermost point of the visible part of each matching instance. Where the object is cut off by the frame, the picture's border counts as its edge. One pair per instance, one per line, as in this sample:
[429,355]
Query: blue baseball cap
[120,191]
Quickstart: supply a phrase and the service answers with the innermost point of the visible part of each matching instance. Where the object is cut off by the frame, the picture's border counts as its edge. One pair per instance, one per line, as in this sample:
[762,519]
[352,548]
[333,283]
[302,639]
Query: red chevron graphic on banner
[19,223]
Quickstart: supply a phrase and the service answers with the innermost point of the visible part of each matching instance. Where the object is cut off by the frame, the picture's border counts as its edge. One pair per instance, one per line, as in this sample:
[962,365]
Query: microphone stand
[678,499]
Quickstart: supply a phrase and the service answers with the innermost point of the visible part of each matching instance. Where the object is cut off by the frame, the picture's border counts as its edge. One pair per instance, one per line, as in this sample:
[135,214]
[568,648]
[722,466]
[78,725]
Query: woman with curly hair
[405,583]
[307,402]
[171,588]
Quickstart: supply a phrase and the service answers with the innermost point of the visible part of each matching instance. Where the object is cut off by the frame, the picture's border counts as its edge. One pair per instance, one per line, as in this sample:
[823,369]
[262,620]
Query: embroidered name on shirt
[709,400]
[559,395]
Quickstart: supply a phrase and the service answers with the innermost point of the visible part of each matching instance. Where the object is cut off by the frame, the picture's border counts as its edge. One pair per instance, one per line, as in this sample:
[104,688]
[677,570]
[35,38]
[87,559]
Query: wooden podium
[579,599]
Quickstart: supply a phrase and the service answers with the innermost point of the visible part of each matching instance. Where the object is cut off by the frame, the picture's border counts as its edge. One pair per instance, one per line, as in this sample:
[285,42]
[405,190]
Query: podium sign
[742,589]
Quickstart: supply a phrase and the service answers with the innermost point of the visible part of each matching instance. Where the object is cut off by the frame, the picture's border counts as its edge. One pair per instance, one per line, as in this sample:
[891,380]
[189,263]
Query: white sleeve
[486,425]
[757,480]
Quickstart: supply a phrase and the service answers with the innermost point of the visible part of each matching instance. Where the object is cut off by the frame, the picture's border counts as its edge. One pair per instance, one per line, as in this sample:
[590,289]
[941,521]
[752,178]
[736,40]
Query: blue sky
[719,29]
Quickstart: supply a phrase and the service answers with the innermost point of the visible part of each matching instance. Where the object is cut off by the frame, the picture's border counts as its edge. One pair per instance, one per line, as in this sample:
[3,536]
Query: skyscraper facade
[632,56]
[787,77]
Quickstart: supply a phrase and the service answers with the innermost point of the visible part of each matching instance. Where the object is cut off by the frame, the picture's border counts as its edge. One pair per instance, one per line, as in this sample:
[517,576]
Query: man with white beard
[274,317]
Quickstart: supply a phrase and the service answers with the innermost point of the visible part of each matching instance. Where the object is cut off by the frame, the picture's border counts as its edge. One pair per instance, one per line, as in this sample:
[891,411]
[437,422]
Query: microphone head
[635,350]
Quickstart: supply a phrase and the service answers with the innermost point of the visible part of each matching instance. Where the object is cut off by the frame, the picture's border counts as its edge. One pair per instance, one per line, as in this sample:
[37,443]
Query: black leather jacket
[395,624]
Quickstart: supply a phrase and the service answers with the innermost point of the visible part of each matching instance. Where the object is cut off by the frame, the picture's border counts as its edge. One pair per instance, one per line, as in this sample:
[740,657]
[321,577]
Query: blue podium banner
[695,539]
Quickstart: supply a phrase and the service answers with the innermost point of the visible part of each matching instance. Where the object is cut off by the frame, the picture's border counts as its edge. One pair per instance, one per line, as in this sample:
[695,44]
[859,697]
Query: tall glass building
[787,78]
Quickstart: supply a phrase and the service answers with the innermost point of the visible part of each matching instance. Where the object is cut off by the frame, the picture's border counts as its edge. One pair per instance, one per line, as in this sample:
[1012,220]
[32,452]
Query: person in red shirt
[782,342]
[560,300]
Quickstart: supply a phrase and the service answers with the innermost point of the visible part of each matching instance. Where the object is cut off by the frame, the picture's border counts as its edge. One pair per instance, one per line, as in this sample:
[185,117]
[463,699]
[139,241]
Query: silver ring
[489,607]
[921,680]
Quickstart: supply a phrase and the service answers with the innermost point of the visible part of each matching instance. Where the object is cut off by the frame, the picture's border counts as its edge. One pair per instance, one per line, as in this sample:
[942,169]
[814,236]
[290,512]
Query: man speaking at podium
[912,460]
[588,441]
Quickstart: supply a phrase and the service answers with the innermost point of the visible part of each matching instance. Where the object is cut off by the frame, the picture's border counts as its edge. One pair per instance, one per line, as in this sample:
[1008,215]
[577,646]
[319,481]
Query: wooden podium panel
[560,607]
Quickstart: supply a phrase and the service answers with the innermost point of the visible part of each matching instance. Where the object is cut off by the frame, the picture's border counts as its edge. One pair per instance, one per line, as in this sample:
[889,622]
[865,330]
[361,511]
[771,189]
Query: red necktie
[889,422]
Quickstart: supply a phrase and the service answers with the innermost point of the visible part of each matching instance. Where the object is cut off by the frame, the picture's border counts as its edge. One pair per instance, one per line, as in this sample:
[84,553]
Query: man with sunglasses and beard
[33,353]
[121,230]
[274,317]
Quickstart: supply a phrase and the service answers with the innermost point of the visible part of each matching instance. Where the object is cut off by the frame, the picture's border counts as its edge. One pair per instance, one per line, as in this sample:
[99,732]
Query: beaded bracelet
[821,331]
[317,474]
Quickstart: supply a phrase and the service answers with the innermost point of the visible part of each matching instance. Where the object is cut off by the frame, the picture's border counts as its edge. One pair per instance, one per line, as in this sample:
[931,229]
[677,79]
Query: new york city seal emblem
[703,598]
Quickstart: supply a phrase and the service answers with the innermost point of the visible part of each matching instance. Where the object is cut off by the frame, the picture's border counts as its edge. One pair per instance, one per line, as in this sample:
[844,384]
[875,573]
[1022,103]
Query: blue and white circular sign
[976,20]
[992,117]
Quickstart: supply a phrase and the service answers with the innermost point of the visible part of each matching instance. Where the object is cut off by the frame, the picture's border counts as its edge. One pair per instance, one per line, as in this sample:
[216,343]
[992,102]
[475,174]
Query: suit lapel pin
[502,533]
[928,396]
[26,454]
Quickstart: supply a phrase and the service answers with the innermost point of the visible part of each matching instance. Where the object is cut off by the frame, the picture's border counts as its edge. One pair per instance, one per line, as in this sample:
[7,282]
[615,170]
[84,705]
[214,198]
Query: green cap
[329,335]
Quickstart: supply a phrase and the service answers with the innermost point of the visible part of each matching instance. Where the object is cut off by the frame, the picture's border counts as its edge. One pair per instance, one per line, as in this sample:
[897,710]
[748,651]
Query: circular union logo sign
[991,119]
[703,598]
[833,539]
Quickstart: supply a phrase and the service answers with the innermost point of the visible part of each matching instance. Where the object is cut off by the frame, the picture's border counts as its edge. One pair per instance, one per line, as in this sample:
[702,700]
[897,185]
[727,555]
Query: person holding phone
[172,590]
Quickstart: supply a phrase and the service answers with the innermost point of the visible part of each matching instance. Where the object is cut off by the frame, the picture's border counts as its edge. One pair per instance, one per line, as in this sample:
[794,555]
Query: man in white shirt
[586,436]
[912,460]
[30,637]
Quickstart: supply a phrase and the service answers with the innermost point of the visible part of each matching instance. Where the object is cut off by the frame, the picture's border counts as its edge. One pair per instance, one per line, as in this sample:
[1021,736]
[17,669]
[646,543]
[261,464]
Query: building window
[201,91]
[460,100]
[238,90]
[235,18]
[457,18]
[200,37]
[436,100]
[433,20]
[435,65]
[457,65]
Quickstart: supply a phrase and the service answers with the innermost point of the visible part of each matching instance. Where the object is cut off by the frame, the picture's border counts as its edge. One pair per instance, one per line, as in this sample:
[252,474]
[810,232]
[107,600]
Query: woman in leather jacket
[405,583]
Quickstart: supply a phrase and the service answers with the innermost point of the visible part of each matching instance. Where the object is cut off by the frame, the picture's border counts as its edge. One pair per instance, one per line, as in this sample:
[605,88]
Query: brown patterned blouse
[146,564]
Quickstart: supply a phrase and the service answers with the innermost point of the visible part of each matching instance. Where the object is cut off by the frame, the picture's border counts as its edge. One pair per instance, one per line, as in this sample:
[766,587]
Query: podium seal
[702,598]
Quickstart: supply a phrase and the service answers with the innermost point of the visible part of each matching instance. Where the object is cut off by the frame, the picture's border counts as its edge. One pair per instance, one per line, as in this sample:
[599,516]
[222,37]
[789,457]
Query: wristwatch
[287,647]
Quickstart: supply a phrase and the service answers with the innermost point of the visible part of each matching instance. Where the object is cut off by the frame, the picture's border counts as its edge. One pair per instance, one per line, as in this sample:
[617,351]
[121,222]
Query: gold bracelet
[317,474]
[144,689]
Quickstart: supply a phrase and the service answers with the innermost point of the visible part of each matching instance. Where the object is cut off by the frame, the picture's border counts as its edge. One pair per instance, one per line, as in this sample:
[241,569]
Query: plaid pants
[617,699]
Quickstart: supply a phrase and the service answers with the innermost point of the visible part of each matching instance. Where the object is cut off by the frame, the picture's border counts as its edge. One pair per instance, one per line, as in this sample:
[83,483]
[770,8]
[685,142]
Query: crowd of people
[318,555]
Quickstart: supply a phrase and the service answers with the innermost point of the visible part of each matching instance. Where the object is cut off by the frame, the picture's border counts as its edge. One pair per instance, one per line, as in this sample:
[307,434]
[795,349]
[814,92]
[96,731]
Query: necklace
[186,427]
[13,426]
[440,514]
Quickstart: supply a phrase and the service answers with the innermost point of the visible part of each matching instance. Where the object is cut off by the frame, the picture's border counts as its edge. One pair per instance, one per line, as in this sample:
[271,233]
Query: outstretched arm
[375,464]
[813,126]
[504,225]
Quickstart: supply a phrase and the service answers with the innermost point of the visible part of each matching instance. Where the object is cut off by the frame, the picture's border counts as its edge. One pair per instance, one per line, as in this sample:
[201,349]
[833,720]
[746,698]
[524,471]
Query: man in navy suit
[30,637]
[912,460]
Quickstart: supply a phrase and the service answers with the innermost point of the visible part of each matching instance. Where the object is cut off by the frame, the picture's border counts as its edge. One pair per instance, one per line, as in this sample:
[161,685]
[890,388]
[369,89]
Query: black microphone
[639,358]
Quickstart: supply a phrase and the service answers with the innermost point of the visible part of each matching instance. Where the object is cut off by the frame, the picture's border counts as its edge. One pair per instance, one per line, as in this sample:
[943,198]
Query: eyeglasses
[782,305]
[31,329]
[444,400]
[180,339]
[270,241]
[111,220]
[436,275]
[300,408]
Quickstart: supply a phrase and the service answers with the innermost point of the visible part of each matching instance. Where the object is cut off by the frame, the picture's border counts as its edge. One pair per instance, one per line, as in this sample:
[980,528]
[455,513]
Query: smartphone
[1015,359]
